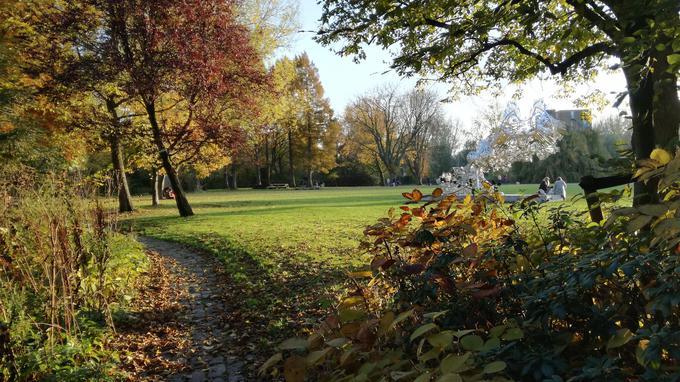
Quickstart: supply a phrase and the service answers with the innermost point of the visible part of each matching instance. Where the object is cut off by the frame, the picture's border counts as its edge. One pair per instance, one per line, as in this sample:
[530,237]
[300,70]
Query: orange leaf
[419,212]
[476,209]
[405,218]
[405,208]
[437,192]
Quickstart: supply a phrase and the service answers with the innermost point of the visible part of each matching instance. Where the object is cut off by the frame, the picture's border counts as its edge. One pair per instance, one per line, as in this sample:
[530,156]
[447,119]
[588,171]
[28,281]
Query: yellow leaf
[660,155]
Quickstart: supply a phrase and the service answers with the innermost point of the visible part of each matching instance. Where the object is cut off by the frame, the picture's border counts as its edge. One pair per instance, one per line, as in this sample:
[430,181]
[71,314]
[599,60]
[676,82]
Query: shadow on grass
[330,201]
[270,297]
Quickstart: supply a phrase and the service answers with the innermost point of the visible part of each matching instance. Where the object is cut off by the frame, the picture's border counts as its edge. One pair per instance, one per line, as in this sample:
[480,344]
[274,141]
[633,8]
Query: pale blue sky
[344,80]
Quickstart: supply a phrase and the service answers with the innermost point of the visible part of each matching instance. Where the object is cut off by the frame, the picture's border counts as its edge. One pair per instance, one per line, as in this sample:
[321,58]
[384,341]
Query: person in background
[560,188]
[543,189]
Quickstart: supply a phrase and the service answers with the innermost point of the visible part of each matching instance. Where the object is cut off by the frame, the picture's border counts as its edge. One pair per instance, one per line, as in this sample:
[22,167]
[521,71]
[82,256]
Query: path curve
[208,357]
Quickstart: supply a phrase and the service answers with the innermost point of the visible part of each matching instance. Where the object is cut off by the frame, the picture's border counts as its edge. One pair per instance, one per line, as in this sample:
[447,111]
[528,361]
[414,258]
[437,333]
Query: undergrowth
[64,272]
[469,290]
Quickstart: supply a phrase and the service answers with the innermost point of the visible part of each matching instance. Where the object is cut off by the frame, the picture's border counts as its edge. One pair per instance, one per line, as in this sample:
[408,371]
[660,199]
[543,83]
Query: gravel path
[208,358]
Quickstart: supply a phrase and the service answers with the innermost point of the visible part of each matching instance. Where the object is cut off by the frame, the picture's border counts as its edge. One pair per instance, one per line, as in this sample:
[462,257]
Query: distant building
[575,118]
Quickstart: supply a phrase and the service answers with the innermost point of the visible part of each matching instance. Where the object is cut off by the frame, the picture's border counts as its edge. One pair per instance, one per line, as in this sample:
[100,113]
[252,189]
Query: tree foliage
[478,44]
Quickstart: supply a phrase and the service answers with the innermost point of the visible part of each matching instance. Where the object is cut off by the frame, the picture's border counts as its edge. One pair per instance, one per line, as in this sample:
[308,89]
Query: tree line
[132,92]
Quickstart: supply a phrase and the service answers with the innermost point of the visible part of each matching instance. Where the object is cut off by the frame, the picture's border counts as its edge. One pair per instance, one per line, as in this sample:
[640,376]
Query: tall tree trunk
[231,177]
[655,110]
[309,152]
[380,172]
[124,198]
[183,205]
[268,158]
[258,167]
[155,187]
[234,177]
[291,166]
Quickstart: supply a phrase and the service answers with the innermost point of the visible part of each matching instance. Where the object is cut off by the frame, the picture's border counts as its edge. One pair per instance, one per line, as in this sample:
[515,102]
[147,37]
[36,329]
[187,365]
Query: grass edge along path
[285,251]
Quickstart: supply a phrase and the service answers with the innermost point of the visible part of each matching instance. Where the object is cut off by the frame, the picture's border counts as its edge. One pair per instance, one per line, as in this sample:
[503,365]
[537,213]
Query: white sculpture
[517,139]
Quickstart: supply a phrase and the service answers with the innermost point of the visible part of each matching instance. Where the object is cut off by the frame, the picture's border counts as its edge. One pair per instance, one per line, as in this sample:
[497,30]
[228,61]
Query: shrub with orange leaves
[467,290]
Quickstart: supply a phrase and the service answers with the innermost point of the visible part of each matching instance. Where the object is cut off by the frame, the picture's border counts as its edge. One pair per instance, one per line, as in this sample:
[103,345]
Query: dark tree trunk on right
[655,110]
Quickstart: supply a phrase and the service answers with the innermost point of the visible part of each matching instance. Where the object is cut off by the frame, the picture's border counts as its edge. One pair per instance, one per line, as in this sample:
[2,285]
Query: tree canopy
[477,44]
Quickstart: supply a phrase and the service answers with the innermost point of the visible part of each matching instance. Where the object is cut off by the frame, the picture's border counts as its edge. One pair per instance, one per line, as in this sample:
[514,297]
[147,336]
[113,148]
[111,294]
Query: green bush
[63,270]
[473,291]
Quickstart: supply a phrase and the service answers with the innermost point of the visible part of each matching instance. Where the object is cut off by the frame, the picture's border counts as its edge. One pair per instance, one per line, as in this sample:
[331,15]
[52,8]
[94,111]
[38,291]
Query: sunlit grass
[279,245]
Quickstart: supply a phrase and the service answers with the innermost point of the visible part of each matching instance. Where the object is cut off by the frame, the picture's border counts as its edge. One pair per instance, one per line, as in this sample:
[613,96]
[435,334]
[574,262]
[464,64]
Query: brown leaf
[294,369]
[351,329]
[470,250]
[482,293]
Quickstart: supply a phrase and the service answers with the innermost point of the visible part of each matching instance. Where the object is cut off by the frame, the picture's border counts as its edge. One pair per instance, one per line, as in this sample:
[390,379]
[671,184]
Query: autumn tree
[272,23]
[36,130]
[476,44]
[189,58]
[71,58]
[268,145]
[316,128]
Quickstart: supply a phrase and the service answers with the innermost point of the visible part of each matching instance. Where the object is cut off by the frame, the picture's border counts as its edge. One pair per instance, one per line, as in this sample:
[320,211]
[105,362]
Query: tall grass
[64,269]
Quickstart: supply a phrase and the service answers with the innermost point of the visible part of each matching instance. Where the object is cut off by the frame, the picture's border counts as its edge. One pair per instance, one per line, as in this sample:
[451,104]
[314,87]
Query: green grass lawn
[285,250]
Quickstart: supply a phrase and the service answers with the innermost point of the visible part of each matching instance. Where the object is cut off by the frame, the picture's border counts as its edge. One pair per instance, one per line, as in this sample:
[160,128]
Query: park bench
[278,186]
